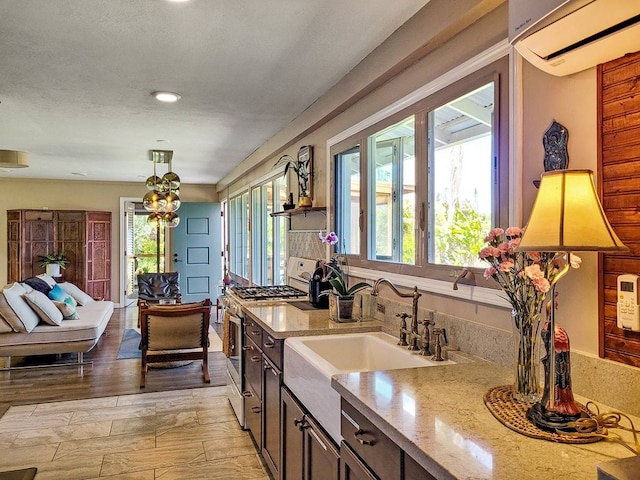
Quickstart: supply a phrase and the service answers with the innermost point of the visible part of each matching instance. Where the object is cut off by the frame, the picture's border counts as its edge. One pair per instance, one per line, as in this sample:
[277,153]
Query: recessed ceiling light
[79,174]
[168,97]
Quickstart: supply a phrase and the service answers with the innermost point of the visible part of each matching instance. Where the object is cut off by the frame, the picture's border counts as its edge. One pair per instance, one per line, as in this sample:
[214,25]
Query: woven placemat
[513,414]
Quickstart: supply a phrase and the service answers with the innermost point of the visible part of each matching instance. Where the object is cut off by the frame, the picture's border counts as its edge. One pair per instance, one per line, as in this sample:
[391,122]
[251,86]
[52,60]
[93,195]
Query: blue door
[196,251]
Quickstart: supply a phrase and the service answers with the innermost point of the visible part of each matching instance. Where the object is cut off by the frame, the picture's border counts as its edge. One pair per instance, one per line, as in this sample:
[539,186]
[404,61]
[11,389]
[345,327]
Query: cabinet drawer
[273,349]
[253,330]
[376,449]
[253,365]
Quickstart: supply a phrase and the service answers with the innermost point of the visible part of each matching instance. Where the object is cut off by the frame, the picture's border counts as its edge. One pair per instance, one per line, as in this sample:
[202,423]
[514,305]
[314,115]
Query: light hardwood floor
[108,376]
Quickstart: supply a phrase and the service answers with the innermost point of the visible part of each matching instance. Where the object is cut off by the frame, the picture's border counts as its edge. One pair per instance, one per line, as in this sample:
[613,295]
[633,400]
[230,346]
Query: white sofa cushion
[4,325]
[24,319]
[88,328]
[44,307]
[78,295]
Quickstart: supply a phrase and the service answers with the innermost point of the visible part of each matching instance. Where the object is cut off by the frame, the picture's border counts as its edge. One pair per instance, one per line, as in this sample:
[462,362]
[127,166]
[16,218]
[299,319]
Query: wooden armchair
[171,333]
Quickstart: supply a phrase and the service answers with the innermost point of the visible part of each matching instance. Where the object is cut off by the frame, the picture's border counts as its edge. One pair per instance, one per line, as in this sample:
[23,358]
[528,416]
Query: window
[239,235]
[347,174]
[461,139]
[432,179]
[267,233]
[392,169]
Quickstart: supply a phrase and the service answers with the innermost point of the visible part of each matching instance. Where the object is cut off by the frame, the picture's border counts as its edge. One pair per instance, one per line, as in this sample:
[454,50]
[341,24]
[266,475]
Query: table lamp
[566,216]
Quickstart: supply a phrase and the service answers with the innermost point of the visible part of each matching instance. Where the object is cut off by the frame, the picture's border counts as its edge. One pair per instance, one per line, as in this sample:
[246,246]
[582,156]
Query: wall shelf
[299,211]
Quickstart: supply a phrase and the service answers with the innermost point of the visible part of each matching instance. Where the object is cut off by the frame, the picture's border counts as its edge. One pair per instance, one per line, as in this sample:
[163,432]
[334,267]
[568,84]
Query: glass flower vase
[527,368]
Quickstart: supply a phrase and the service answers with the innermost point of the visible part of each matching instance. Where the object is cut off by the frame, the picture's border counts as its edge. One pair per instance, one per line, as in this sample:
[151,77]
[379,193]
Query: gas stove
[267,292]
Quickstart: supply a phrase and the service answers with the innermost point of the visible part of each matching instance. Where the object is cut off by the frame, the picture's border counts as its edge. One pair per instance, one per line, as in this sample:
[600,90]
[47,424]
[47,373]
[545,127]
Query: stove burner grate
[267,292]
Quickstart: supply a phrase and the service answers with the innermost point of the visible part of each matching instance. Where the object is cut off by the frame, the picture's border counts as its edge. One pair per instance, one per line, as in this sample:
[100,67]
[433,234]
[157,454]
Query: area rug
[130,343]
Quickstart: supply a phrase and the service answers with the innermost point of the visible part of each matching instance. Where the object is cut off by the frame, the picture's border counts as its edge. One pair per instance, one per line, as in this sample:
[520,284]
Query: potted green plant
[303,171]
[53,262]
[341,296]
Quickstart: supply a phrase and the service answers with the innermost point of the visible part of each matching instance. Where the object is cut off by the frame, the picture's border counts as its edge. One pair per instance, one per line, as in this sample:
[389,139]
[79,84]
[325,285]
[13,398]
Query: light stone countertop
[437,415]
[282,320]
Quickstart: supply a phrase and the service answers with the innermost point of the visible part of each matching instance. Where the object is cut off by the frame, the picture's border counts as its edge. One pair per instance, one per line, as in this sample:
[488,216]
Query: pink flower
[514,231]
[489,252]
[575,260]
[533,272]
[513,244]
[535,256]
[506,265]
[493,234]
[541,284]
[489,272]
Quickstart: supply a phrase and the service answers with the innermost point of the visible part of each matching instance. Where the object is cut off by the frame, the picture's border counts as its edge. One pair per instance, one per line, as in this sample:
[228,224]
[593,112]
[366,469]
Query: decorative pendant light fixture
[163,197]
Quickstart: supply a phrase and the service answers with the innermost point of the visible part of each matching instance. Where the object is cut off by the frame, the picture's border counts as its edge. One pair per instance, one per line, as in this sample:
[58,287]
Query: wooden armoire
[84,237]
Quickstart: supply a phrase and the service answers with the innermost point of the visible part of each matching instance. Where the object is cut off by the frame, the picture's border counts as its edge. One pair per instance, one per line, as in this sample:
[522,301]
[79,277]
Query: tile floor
[181,435]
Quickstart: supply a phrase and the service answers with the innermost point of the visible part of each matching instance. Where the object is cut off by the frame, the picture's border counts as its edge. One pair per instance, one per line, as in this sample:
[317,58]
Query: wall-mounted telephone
[628,308]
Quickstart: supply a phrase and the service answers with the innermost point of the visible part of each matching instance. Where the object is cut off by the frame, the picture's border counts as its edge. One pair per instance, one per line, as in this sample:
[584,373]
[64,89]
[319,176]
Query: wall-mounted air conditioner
[567,36]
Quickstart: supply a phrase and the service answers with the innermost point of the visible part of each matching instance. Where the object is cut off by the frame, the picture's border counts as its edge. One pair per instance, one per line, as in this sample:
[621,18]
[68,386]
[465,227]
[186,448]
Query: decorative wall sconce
[163,197]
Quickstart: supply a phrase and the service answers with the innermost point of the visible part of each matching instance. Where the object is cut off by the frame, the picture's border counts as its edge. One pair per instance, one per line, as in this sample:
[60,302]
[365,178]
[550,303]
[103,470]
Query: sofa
[49,319]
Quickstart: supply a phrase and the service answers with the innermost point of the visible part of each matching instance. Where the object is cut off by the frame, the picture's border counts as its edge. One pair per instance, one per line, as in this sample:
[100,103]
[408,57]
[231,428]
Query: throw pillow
[21,318]
[5,327]
[59,295]
[47,278]
[78,295]
[38,284]
[44,307]
[68,308]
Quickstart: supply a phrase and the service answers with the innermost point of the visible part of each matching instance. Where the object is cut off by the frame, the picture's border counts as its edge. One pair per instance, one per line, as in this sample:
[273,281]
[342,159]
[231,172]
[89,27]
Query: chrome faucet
[415,295]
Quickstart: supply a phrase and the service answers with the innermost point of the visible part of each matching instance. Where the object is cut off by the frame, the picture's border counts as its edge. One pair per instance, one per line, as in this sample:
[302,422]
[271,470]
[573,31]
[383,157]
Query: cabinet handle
[256,409]
[255,332]
[362,441]
[256,358]
[247,347]
[269,345]
[301,424]
[247,394]
[267,367]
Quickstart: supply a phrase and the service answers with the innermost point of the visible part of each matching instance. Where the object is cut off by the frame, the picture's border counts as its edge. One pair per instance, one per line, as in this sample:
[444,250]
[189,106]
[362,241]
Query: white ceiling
[76,78]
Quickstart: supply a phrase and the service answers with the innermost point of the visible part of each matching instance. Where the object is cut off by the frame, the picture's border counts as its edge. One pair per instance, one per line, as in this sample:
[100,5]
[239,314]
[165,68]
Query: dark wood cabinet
[271,383]
[351,467]
[262,357]
[413,471]
[307,451]
[321,457]
[84,236]
[293,423]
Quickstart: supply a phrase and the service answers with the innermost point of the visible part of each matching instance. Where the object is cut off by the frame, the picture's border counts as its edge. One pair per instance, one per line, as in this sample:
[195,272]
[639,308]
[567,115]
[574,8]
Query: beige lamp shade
[13,159]
[567,216]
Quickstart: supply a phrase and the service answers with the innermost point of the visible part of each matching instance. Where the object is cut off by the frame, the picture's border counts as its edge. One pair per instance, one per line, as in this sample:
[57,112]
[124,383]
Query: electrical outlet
[380,308]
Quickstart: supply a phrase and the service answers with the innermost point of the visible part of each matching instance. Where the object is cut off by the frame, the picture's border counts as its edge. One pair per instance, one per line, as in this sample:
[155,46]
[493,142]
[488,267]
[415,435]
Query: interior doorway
[143,248]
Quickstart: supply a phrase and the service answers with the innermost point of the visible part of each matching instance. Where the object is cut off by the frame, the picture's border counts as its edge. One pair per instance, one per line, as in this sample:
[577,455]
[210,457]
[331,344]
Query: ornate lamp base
[550,420]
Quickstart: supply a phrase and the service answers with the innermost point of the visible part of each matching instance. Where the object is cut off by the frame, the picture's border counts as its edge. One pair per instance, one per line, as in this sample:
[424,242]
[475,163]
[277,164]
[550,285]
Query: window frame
[497,71]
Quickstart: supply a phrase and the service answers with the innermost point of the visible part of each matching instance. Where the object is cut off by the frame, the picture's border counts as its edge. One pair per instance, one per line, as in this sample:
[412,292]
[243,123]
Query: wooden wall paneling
[619,183]
[71,240]
[98,236]
[85,237]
